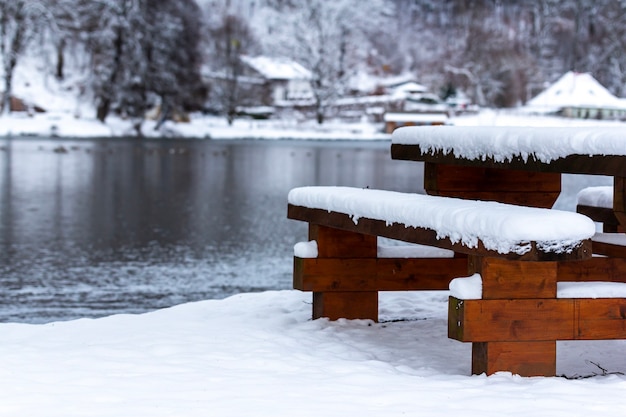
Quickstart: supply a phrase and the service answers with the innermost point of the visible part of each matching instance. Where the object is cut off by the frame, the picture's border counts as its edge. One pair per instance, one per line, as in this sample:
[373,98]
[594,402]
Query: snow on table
[500,227]
[505,143]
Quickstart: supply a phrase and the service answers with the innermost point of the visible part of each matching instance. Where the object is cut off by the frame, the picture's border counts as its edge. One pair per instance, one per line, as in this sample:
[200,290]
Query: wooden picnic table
[516,324]
[520,179]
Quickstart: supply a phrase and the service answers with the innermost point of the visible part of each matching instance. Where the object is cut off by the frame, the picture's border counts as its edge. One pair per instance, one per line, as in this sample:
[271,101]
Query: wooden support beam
[593,269]
[336,243]
[382,274]
[521,358]
[603,215]
[533,189]
[537,320]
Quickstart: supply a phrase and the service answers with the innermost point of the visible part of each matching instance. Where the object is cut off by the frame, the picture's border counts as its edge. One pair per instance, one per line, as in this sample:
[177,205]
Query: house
[284,79]
[578,95]
[394,120]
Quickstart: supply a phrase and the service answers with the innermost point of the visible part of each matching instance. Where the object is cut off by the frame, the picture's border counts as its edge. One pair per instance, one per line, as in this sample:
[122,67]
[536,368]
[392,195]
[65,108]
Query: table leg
[503,279]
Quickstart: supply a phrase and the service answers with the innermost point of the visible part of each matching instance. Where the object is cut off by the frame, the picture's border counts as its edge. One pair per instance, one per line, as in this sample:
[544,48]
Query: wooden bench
[518,264]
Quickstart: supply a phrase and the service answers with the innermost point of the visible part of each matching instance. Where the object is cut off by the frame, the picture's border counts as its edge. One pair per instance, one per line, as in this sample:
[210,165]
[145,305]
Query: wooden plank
[521,358]
[533,189]
[338,243]
[537,320]
[422,236]
[345,305]
[608,249]
[593,269]
[383,274]
[619,199]
[601,318]
[511,320]
[515,279]
[603,215]
[614,165]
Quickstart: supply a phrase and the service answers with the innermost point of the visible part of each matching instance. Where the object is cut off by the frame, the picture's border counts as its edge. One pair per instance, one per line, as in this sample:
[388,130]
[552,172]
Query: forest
[133,54]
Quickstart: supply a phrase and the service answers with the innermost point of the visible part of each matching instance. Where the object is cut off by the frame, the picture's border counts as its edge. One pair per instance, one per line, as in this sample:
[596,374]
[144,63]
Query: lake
[96,227]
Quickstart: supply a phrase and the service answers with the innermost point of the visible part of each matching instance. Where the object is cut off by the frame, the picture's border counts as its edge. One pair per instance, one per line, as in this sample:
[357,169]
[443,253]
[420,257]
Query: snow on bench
[309,250]
[600,196]
[502,144]
[501,228]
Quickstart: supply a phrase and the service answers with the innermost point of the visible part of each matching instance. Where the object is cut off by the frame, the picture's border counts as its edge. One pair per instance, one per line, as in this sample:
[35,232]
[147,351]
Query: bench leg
[335,243]
[523,358]
[346,305]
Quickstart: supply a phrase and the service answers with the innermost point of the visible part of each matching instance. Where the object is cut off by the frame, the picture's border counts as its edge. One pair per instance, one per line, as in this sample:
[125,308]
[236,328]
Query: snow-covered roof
[277,68]
[576,89]
[409,88]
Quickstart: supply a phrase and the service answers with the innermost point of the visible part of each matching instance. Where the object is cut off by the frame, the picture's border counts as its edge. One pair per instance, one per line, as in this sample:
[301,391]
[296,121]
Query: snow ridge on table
[501,227]
[505,143]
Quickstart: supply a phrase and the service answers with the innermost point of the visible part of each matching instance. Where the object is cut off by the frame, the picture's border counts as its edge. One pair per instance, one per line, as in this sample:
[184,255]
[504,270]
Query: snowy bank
[261,355]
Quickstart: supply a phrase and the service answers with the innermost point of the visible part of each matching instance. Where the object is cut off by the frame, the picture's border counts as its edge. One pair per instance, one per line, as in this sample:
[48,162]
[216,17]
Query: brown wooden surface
[336,243]
[593,269]
[619,199]
[533,189]
[421,236]
[603,215]
[609,249]
[521,358]
[574,164]
[537,320]
[515,279]
[383,274]
[346,305]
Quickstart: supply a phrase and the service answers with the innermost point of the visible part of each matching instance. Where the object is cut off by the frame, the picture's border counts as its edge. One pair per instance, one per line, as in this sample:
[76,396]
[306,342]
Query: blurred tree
[20,22]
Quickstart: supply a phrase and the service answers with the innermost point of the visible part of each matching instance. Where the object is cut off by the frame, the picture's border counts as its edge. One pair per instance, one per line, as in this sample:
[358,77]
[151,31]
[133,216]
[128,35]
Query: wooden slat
[533,189]
[608,249]
[537,320]
[593,269]
[574,164]
[510,320]
[383,274]
[603,215]
[619,199]
[600,319]
[422,236]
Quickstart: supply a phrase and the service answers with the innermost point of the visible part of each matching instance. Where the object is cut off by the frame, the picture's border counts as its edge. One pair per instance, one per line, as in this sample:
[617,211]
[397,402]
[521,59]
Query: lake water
[95,227]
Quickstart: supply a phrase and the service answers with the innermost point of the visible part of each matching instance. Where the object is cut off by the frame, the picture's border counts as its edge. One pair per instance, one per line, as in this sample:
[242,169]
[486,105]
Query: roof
[576,89]
[277,68]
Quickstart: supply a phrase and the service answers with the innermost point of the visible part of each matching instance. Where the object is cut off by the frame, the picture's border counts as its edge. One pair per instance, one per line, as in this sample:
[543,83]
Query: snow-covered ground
[261,355]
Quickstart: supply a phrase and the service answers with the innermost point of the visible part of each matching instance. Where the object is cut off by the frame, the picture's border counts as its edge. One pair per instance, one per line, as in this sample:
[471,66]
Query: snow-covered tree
[20,22]
[143,53]
[328,38]
[228,38]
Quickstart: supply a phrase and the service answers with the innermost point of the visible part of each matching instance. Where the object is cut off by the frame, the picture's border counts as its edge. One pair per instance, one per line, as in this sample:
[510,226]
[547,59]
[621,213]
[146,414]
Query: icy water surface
[95,227]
